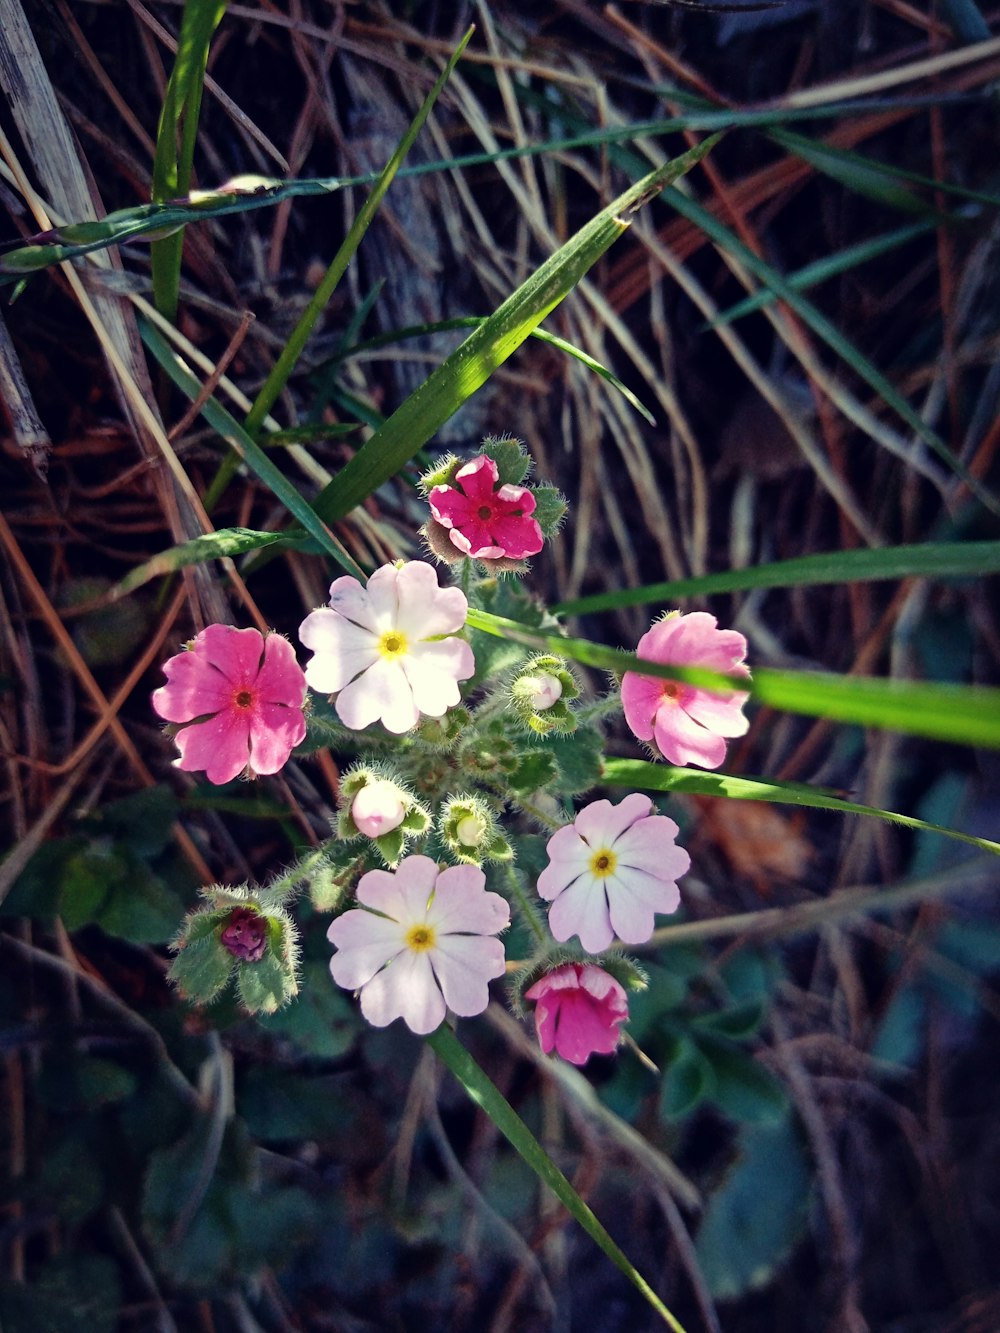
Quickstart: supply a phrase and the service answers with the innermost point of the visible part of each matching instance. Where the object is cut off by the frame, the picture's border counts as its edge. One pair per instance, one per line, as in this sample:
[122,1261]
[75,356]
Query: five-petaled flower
[388,650]
[611,871]
[238,695]
[426,945]
[487,521]
[578,1011]
[689,724]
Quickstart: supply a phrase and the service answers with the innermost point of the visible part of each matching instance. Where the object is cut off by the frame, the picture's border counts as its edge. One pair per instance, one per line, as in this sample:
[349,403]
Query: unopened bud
[470,830]
[541,691]
[377,808]
[245,935]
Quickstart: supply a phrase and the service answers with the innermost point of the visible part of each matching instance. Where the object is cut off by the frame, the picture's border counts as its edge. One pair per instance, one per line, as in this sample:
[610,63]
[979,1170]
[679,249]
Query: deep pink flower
[611,871]
[487,521]
[242,694]
[245,935]
[425,947]
[688,723]
[389,651]
[578,1011]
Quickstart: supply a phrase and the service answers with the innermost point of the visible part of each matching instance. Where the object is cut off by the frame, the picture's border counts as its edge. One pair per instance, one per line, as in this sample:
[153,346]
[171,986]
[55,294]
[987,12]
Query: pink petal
[365,943]
[235,652]
[682,741]
[274,732]
[402,894]
[582,910]
[634,897]
[601,823]
[342,650]
[383,594]
[649,845]
[280,679]
[406,990]
[719,713]
[518,537]
[640,699]
[350,600]
[461,904]
[465,965]
[218,746]
[195,688]
[478,479]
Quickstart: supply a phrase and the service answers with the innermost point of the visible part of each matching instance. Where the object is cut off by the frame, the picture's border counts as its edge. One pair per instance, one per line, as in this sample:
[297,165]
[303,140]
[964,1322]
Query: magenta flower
[239,696]
[388,651]
[487,521]
[578,1011]
[425,947]
[688,723]
[611,871]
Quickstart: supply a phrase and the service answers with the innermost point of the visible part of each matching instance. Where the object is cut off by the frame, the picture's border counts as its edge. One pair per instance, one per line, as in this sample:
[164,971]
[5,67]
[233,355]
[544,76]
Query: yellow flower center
[603,862]
[393,644]
[420,938]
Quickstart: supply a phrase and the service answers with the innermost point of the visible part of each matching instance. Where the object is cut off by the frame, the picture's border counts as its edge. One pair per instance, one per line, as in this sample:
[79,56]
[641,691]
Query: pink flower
[242,694]
[487,522]
[245,935]
[687,722]
[611,871]
[424,947]
[578,1012]
[389,648]
[377,808]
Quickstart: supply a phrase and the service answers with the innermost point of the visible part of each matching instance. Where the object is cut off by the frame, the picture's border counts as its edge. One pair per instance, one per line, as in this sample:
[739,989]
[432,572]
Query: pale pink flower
[425,947]
[611,871]
[377,808]
[242,694]
[388,650]
[578,1011]
[688,723]
[487,521]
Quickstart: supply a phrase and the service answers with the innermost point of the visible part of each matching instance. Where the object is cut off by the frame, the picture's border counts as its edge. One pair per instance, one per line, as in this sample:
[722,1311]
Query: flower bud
[540,695]
[541,691]
[377,808]
[245,935]
[470,831]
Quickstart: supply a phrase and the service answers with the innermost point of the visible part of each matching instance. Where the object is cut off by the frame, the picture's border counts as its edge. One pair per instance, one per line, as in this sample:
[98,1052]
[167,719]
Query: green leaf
[322,1022]
[755,1218]
[172,164]
[927,560]
[226,542]
[744,1089]
[688,1079]
[665,777]
[263,986]
[74,1293]
[736,1022]
[488,1098]
[488,347]
[202,968]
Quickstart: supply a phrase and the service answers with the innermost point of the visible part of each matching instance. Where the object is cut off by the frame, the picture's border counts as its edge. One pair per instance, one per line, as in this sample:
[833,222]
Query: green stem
[488,1097]
[600,708]
[527,907]
[280,889]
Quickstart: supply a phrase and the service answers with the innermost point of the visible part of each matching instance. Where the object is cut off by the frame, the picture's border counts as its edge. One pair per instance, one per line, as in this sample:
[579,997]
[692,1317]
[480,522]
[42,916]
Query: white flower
[425,947]
[387,650]
[611,871]
[377,808]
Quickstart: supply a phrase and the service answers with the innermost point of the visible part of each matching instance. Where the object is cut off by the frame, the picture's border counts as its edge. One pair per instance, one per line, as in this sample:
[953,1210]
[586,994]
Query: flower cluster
[454,740]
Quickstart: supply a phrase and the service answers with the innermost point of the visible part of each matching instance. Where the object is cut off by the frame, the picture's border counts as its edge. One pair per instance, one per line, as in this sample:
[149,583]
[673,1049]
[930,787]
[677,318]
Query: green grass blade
[811,275]
[638,773]
[247,449]
[965,714]
[489,346]
[292,350]
[172,165]
[474,322]
[927,560]
[213,546]
[488,1097]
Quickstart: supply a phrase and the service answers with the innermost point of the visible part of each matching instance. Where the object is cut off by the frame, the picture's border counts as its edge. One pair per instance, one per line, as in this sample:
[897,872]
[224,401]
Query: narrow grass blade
[663,777]
[247,449]
[474,322]
[927,560]
[811,275]
[489,346]
[965,714]
[213,546]
[172,163]
[292,350]
[489,1099]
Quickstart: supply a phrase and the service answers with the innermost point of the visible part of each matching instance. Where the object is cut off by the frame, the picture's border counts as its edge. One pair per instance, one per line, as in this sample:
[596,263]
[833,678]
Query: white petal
[465,964]
[583,910]
[405,989]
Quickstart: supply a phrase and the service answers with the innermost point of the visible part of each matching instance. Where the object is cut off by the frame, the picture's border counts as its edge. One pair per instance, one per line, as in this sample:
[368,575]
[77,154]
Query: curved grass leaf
[172,164]
[487,347]
[474,322]
[966,714]
[247,449]
[926,560]
[639,773]
[489,1099]
[213,546]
